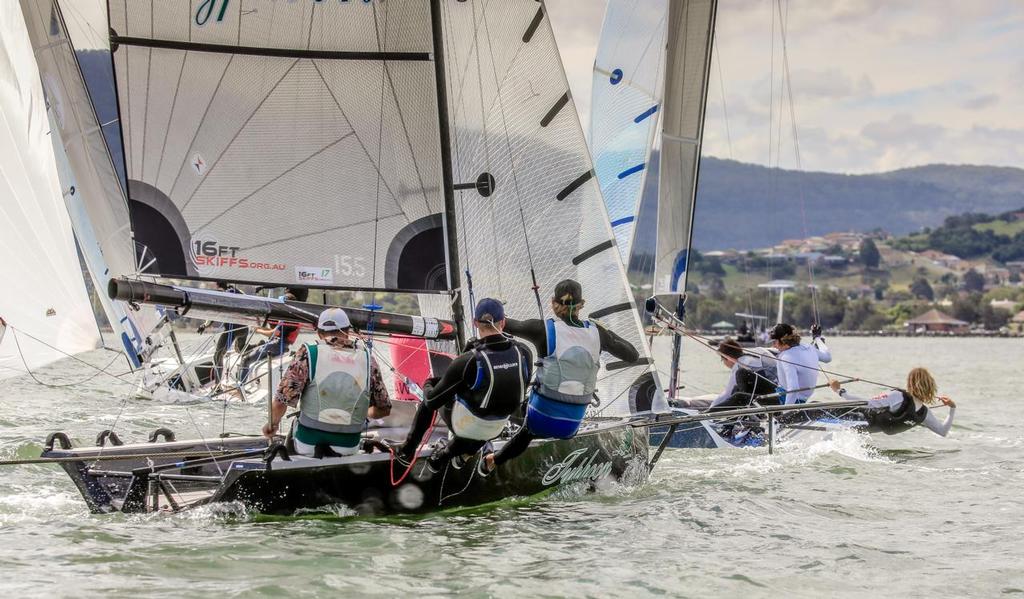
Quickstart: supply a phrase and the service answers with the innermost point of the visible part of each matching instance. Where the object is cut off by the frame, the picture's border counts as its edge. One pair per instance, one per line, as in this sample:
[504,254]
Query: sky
[877,84]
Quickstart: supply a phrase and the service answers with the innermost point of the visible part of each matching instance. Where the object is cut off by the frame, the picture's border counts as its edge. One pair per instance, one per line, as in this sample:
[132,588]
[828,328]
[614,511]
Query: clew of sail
[92,191]
[36,240]
[690,35]
[544,219]
[282,142]
[625,100]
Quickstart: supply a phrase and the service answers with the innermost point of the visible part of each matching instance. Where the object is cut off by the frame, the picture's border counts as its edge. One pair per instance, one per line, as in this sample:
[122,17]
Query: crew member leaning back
[569,349]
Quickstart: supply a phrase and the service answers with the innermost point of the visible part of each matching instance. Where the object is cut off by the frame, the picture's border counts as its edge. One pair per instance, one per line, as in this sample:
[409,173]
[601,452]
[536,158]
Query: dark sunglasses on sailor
[570,302]
[334,337]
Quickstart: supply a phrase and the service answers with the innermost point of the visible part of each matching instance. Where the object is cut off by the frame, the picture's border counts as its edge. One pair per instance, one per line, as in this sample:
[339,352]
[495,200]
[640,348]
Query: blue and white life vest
[569,372]
[337,396]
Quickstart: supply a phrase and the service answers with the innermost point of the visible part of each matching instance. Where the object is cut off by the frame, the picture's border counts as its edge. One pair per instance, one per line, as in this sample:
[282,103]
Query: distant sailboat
[42,293]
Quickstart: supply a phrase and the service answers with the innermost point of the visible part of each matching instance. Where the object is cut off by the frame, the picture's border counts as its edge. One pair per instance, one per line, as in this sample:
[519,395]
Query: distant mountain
[745,206]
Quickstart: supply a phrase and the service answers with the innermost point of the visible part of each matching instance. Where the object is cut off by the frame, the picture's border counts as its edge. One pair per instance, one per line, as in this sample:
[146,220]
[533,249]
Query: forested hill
[745,206]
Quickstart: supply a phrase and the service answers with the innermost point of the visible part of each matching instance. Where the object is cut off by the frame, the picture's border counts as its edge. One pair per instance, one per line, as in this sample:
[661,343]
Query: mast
[677,345]
[451,235]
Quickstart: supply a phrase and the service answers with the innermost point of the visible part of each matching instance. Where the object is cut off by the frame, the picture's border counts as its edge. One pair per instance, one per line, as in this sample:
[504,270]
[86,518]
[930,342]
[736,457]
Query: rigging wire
[515,180]
[796,146]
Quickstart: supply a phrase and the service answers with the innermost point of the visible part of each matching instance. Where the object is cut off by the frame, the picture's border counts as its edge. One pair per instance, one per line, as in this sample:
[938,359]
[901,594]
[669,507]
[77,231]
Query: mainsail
[283,142]
[543,219]
[92,191]
[629,73]
[40,259]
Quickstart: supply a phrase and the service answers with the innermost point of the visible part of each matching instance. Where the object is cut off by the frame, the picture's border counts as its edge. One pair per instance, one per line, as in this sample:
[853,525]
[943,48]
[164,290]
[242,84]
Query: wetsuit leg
[459,446]
[223,341]
[420,424]
[252,358]
[516,445]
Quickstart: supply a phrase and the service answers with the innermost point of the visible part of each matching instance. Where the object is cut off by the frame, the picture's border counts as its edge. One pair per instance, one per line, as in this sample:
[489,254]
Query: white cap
[333,319]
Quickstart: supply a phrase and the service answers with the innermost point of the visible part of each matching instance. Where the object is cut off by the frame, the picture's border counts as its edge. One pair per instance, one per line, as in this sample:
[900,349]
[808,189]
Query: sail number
[217,9]
[350,266]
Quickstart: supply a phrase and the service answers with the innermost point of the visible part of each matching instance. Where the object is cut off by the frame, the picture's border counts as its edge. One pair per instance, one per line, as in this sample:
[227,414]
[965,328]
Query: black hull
[605,453]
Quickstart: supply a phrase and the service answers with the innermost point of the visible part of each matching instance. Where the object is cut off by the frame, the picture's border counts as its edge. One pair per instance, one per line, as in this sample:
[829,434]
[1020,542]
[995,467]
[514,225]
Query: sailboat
[102,223]
[650,89]
[36,239]
[414,146]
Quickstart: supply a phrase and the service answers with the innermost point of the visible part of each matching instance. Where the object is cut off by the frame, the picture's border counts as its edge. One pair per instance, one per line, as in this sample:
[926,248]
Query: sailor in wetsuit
[282,336]
[751,373]
[231,333]
[899,410]
[477,393]
[569,349]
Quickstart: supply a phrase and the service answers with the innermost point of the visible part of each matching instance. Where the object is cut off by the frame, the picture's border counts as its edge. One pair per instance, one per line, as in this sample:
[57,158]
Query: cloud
[902,130]
[981,102]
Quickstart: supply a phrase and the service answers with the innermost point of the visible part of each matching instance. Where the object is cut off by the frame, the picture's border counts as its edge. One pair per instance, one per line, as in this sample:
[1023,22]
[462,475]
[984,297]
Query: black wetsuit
[535,331]
[461,380]
[230,332]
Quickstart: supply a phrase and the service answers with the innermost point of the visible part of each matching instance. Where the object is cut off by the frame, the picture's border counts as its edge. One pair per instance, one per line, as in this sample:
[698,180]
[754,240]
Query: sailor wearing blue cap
[477,394]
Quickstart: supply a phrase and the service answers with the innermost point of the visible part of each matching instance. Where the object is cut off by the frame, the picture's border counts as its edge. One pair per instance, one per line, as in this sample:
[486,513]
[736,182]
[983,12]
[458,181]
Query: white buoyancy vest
[569,372]
[467,425]
[337,396]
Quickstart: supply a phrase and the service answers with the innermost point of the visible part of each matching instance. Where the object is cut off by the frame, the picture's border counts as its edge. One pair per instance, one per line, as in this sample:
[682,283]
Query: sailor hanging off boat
[751,373]
[797,365]
[336,384]
[477,394]
[899,409]
[570,350]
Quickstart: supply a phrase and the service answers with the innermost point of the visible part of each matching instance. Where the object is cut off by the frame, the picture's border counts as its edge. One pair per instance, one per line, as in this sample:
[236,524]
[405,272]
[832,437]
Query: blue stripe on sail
[631,170]
[678,269]
[643,115]
[622,221]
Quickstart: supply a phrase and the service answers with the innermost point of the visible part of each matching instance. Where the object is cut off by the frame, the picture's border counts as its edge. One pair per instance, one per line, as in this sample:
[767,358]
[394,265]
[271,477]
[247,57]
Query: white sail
[690,34]
[625,99]
[92,191]
[42,292]
[513,118]
[282,142]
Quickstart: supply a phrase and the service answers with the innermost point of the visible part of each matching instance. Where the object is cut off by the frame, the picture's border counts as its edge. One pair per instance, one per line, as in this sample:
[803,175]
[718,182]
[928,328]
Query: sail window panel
[161,95]
[196,85]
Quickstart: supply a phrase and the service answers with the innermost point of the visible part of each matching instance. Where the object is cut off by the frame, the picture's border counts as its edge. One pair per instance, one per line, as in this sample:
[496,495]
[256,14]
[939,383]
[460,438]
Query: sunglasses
[569,302]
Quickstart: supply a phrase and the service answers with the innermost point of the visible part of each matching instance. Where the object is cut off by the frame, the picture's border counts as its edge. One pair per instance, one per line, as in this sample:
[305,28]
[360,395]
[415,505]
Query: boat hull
[602,454]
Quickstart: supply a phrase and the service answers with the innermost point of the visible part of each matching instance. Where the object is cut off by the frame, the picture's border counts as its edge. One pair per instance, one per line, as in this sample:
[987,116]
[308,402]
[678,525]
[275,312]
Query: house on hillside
[1004,304]
[1017,323]
[942,259]
[934,321]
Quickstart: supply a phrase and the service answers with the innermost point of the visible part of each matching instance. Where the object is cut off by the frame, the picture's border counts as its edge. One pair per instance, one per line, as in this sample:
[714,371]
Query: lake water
[912,515]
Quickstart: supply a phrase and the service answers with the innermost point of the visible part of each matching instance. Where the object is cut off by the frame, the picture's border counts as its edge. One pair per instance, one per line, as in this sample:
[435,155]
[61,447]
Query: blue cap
[489,309]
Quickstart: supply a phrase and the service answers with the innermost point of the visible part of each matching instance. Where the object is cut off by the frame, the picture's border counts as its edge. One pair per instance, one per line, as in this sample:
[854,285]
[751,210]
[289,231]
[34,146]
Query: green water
[913,515]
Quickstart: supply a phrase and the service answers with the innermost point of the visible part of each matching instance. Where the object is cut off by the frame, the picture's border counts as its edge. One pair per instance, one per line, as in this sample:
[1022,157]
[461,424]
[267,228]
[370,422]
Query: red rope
[415,456]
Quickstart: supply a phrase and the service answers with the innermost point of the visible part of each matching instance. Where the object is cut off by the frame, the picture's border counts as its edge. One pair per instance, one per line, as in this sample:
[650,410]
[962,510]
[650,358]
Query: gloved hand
[815,330]
[434,380]
[201,329]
